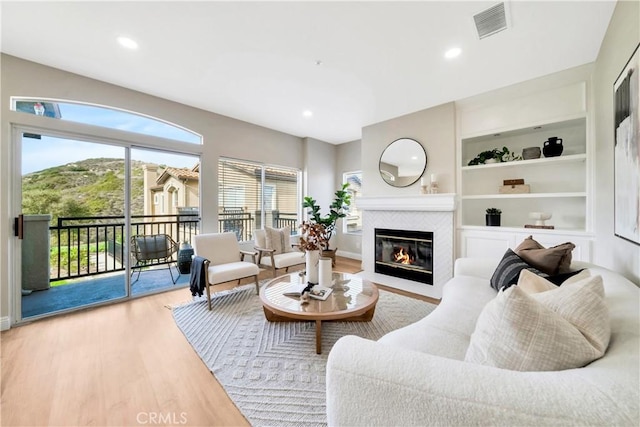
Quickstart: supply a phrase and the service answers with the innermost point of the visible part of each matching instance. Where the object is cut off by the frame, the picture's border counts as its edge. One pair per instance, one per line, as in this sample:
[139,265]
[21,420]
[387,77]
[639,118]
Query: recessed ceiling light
[452,53]
[127,42]
[307,113]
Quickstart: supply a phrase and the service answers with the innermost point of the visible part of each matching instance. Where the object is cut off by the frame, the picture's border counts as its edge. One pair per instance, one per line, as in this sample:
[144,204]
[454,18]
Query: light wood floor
[119,365]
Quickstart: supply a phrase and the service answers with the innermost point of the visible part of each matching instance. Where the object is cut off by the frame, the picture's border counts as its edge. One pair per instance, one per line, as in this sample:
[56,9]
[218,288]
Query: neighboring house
[168,191]
[174,191]
[242,195]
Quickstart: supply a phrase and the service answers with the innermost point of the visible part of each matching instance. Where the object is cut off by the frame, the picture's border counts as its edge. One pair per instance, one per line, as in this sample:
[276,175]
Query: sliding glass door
[72,223]
[101,222]
[165,200]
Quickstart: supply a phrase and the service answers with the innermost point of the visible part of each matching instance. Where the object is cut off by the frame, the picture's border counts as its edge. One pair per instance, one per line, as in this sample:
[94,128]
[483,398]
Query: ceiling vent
[491,21]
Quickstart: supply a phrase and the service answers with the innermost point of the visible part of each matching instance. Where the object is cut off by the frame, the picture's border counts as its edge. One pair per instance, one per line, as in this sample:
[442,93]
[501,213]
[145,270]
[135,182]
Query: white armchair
[280,255]
[224,260]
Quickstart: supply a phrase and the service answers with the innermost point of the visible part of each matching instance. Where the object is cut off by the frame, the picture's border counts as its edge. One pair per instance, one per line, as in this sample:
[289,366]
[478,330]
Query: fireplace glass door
[405,254]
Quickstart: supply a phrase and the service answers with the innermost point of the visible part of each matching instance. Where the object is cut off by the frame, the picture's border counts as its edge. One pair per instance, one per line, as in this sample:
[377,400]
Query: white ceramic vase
[325,272]
[312,259]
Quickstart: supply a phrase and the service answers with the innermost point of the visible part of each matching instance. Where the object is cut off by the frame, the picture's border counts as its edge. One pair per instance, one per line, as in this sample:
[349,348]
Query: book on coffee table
[316,292]
[294,289]
[320,292]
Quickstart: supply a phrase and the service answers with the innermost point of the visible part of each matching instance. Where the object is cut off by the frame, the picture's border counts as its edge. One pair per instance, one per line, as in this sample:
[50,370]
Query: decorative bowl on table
[531,153]
[540,217]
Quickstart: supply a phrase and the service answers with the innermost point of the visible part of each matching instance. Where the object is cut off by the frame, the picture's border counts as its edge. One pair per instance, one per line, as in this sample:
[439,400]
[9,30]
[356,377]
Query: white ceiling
[256,61]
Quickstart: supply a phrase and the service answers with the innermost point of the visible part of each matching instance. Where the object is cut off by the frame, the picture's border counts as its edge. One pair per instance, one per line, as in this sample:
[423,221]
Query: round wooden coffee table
[355,304]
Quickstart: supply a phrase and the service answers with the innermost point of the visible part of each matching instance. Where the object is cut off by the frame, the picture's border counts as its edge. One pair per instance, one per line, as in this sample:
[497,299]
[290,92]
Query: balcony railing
[243,223]
[282,219]
[86,246]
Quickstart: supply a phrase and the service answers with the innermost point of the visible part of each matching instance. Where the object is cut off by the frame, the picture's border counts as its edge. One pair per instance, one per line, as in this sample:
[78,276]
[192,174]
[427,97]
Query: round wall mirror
[403,162]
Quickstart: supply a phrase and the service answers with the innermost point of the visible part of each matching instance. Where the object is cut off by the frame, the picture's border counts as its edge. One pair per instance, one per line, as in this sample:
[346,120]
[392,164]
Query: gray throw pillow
[507,272]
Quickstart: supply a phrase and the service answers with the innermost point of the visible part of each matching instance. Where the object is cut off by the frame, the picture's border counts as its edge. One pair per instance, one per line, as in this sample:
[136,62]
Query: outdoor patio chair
[156,249]
[224,260]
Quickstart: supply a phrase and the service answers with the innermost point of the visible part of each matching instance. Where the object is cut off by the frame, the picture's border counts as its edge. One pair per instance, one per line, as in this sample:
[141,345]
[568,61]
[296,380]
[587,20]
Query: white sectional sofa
[417,376]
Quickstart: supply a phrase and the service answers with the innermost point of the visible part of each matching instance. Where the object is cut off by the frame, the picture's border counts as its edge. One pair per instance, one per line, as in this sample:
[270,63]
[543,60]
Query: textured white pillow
[582,304]
[563,328]
[278,239]
[532,283]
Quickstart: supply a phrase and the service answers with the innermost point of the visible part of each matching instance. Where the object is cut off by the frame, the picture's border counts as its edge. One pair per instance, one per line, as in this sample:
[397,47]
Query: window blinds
[253,195]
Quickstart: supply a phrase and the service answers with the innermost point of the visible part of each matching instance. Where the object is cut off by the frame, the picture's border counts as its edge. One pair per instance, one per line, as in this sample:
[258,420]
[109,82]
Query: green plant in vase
[496,154]
[492,217]
[337,210]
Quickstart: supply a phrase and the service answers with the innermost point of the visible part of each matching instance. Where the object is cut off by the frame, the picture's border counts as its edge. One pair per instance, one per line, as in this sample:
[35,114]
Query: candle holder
[433,187]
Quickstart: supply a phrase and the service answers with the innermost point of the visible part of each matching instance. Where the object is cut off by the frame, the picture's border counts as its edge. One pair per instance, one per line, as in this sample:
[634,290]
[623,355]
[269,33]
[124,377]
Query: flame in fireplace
[400,255]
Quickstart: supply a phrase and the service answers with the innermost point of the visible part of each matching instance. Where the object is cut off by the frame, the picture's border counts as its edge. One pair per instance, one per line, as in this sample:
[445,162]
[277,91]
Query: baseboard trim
[351,255]
[5,323]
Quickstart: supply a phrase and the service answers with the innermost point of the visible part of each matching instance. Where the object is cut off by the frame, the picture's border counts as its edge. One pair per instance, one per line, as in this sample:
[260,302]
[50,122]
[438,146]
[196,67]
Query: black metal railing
[86,246]
[283,219]
[238,221]
[243,223]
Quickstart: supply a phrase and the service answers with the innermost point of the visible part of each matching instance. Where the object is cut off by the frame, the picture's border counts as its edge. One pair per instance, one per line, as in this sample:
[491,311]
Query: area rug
[270,369]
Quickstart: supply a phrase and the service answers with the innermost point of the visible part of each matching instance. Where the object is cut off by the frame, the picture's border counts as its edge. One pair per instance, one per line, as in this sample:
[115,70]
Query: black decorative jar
[552,147]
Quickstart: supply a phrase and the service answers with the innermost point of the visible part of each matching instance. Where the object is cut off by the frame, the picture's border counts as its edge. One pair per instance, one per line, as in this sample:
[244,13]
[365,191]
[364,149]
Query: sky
[39,154]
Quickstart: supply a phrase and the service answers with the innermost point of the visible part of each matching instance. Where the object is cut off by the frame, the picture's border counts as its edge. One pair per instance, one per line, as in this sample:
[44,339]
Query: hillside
[92,187]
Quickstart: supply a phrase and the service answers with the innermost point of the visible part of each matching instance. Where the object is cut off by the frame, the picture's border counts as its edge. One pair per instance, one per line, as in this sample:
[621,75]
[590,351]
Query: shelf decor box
[514,189]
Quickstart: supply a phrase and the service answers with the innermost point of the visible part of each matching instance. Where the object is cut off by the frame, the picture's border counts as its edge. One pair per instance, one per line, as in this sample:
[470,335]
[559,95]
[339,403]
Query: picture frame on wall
[626,166]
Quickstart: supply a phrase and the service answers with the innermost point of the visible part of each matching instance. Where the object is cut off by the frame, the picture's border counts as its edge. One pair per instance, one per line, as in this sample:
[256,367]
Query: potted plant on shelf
[337,209]
[492,217]
[494,156]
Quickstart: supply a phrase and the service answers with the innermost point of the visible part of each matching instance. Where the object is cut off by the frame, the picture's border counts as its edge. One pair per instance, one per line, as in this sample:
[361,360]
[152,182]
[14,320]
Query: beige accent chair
[224,260]
[275,250]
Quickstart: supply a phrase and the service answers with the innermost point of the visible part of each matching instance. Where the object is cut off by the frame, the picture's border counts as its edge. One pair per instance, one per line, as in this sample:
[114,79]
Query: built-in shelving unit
[559,185]
[531,162]
[523,196]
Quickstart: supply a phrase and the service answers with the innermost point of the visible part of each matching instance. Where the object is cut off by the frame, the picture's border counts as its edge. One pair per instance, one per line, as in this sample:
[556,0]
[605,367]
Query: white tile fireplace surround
[429,212]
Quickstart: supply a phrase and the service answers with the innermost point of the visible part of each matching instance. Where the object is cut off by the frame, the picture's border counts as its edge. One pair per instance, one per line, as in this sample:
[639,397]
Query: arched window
[105,117]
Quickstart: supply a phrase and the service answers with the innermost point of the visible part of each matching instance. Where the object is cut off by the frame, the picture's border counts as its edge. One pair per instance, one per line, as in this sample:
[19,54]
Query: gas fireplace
[405,254]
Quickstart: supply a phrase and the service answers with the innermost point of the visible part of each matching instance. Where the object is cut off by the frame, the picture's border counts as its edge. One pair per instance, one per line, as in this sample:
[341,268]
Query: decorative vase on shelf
[492,220]
[492,217]
[531,153]
[312,258]
[552,147]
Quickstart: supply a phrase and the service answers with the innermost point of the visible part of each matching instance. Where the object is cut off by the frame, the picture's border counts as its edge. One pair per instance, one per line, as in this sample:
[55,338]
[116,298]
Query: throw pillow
[532,283]
[554,260]
[582,304]
[508,270]
[278,239]
[564,328]
[572,276]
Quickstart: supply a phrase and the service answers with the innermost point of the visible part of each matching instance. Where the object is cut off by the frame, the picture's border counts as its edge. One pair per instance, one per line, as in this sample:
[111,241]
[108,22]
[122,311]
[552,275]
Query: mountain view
[92,187]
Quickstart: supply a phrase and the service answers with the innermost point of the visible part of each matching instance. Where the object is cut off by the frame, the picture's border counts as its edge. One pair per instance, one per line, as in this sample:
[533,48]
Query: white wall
[433,128]
[622,37]
[223,136]
[348,160]
[320,181]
